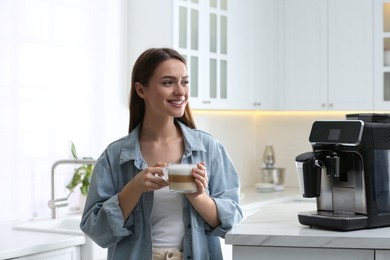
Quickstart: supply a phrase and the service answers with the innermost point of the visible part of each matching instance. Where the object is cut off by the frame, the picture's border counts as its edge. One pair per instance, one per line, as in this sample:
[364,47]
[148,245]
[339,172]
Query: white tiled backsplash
[245,135]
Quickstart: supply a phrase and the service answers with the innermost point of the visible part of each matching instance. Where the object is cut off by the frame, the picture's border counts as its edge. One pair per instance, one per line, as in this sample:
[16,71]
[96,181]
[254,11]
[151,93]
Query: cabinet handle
[257,103]
[330,105]
[323,105]
[206,102]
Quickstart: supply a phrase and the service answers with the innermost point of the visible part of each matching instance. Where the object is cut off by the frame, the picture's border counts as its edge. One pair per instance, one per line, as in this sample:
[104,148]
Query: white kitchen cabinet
[199,30]
[200,34]
[291,253]
[350,25]
[382,254]
[214,37]
[328,60]
[267,55]
[218,41]
[304,71]
[253,41]
[150,24]
[382,54]
[249,78]
[71,253]
[241,69]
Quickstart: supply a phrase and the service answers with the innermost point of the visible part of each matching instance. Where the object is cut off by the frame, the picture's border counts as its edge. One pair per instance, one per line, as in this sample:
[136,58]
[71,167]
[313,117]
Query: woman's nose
[179,90]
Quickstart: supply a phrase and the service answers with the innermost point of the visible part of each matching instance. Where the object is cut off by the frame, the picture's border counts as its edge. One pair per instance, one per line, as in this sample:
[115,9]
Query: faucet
[62,202]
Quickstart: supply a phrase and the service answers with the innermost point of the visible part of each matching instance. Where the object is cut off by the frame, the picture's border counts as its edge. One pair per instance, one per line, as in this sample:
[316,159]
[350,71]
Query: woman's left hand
[201,200]
[201,179]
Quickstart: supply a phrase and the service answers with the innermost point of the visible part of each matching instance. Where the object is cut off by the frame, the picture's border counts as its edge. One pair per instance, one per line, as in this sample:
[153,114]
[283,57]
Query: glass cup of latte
[180,179]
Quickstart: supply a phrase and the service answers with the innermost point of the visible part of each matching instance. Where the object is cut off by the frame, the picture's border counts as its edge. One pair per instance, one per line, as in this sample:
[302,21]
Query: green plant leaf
[76,180]
[84,190]
[81,175]
[73,150]
[85,186]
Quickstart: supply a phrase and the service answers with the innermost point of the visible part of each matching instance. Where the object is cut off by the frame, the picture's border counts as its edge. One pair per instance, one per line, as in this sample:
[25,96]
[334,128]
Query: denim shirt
[102,218]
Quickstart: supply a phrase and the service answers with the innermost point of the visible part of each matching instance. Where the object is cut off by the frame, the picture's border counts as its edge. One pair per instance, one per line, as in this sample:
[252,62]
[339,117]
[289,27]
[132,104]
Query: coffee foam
[180,169]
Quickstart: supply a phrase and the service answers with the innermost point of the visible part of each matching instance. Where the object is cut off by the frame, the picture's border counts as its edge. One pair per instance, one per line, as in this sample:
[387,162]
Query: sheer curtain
[63,77]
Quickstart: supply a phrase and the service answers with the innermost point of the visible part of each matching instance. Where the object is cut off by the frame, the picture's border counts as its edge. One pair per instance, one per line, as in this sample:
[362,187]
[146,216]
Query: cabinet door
[328,55]
[149,26]
[305,50]
[291,253]
[71,253]
[267,56]
[254,54]
[241,68]
[201,35]
[382,254]
[350,53]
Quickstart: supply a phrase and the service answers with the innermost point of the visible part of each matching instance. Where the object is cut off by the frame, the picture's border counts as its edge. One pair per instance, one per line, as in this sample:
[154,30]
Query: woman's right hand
[150,178]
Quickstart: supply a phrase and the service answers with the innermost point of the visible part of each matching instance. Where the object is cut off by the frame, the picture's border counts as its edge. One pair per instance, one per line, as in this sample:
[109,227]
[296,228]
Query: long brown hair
[143,70]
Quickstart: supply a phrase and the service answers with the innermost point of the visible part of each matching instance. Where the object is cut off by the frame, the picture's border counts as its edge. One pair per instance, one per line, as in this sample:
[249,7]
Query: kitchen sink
[66,225]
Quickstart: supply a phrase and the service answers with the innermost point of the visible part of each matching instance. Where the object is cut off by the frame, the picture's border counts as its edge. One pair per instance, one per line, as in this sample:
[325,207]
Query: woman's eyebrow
[173,77]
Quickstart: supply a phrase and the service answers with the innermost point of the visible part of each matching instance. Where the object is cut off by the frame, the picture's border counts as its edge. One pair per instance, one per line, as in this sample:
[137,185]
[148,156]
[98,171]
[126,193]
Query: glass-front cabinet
[220,39]
[202,39]
[382,54]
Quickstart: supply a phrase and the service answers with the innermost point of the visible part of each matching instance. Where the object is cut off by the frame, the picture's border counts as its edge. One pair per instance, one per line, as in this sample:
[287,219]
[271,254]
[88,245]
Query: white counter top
[253,200]
[16,243]
[276,224]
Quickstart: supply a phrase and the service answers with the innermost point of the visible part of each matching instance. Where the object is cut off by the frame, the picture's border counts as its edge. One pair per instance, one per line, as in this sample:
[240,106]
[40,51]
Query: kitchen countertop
[270,220]
[276,224]
[16,243]
[251,199]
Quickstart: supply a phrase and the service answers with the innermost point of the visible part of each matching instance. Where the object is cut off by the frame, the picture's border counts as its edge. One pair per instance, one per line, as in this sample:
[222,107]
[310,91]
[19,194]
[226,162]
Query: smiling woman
[55,69]
[129,208]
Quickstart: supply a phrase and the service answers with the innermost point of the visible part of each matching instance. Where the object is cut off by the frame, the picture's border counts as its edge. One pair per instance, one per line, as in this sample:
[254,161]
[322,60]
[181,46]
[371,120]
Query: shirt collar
[131,150]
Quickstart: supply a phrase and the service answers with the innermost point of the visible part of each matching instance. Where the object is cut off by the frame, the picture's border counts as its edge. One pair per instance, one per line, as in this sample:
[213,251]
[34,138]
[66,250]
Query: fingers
[200,174]
[151,177]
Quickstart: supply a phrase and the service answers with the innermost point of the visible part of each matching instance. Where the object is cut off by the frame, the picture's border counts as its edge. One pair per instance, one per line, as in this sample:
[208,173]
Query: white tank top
[167,219]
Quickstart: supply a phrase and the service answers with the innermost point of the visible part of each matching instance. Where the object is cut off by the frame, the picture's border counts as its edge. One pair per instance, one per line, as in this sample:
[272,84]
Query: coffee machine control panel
[348,133]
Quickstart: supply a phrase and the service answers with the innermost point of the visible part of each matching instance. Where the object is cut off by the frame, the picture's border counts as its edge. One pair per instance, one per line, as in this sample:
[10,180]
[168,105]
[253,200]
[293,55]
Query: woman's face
[168,89]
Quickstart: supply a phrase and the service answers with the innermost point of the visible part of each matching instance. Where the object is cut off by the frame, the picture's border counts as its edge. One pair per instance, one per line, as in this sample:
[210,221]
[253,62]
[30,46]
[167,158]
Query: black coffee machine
[348,172]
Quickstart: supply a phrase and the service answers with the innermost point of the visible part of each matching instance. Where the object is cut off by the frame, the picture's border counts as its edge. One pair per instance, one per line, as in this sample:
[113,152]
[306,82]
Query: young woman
[129,208]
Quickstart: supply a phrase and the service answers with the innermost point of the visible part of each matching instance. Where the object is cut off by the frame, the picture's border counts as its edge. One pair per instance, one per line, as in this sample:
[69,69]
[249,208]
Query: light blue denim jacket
[102,219]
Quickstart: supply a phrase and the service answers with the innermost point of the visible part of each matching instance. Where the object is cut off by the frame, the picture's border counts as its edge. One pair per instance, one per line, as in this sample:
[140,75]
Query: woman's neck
[158,129]
[161,142]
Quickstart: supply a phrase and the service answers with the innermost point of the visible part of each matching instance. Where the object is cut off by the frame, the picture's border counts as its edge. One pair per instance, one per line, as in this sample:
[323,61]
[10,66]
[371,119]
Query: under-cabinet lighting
[280,113]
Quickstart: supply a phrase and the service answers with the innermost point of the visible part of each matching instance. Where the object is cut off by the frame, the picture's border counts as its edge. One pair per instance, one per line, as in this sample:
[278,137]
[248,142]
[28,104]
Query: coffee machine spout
[309,168]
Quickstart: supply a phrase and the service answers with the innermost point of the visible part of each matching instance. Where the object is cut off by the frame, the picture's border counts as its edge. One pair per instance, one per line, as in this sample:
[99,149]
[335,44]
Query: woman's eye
[168,83]
[185,82]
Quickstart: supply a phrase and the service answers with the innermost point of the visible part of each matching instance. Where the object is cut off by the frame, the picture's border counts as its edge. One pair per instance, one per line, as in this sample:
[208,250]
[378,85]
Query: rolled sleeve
[229,213]
[102,219]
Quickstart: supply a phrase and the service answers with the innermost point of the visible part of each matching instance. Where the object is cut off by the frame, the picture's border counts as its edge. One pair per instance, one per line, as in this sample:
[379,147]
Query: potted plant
[81,175]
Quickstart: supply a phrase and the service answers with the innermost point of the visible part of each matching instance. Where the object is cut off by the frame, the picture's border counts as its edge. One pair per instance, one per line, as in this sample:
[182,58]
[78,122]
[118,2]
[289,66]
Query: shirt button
[189,226]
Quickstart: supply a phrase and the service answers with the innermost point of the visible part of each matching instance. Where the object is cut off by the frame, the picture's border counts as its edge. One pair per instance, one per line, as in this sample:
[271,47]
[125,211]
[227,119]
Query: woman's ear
[139,89]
